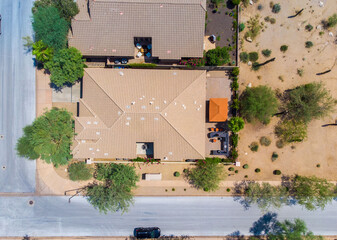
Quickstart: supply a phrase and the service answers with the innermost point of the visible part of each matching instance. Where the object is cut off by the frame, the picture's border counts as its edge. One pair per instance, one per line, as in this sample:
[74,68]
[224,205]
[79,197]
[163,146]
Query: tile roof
[121,107]
[175,26]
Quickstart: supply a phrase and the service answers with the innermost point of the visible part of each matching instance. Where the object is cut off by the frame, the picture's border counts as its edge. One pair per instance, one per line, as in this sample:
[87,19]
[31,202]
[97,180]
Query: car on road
[149,232]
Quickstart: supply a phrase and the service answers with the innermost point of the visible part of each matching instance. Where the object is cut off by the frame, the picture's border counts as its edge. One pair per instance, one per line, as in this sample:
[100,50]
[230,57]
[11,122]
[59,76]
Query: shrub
[176,174]
[235,139]
[253,56]
[236,2]
[245,166]
[257,170]
[231,169]
[291,131]
[259,7]
[246,176]
[265,141]
[300,72]
[235,85]
[235,71]
[266,52]
[206,189]
[274,156]
[142,65]
[280,143]
[228,189]
[258,103]
[241,27]
[235,124]
[332,21]
[309,27]
[185,170]
[244,57]
[309,44]
[218,56]
[277,172]
[79,171]
[254,27]
[318,165]
[284,48]
[276,8]
[267,19]
[256,66]
[173,189]
[42,52]
[254,146]
[236,171]
[272,20]
[234,154]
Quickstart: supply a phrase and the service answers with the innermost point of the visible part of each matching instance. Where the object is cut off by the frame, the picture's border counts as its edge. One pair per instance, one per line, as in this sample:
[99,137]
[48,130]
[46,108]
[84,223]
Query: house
[166,29]
[129,113]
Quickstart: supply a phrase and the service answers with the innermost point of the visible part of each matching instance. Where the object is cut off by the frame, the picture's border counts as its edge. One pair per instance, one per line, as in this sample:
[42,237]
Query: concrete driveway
[17,95]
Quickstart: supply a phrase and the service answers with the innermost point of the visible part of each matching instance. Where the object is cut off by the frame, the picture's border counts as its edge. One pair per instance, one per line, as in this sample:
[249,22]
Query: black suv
[151,232]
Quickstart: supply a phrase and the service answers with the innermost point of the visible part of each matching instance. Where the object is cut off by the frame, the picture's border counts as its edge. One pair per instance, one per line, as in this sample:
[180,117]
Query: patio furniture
[214,140]
[142,50]
[212,129]
[218,152]
[149,46]
[148,54]
[138,46]
[124,61]
[139,54]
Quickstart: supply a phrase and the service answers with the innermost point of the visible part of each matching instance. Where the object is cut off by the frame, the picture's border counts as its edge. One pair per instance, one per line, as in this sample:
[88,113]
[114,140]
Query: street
[193,216]
[17,95]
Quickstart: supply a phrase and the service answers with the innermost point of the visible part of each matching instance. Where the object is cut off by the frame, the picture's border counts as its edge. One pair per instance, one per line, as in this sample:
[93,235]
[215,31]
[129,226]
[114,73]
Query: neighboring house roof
[109,27]
[121,107]
[218,109]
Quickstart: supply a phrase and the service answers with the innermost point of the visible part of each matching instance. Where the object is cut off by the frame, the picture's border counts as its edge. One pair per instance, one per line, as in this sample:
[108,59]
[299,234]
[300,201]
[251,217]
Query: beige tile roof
[175,26]
[121,107]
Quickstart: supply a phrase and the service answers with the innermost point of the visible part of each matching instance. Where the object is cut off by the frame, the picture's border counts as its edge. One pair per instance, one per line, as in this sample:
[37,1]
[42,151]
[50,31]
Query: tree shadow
[230,5]
[235,236]
[264,225]
[239,190]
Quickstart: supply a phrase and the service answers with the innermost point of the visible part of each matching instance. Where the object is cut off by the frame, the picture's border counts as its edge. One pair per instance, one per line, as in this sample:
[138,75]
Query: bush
[256,66]
[300,72]
[236,2]
[173,189]
[235,124]
[185,170]
[272,20]
[277,172]
[265,141]
[231,169]
[259,7]
[241,27]
[254,27]
[66,67]
[309,27]
[244,57]
[309,44]
[176,174]
[206,189]
[291,131]
[246,176]
[218,56]
[257,170]
[42,52]
[235,86]
[279,143]
[332,21]
[318,165]
[236,171]
[234,154]
[276,8]
[245,166]
[284,48]
[258,103]
[274,156]
[253,56]
[235,139]
[142,65]
[79,171]
[235,71]
[50,27]
[266,52]
[228,189]
[254,146]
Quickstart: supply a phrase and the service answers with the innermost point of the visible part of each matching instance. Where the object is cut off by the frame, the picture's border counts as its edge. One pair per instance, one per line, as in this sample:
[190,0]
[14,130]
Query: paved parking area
[17,95]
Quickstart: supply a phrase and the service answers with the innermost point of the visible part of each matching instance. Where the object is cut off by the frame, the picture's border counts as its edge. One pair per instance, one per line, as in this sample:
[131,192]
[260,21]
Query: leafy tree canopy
[79,171]
[50,27]
[42,52]
[49,138]
[308,102]
[66,67]
[235,124]
[207,174]
[67,8]
[115,192]
[218,56]
[288,230]
[258,103]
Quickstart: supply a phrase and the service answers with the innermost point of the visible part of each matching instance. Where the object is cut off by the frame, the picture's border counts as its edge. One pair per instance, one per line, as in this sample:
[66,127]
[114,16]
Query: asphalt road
[193,216]
[17,95]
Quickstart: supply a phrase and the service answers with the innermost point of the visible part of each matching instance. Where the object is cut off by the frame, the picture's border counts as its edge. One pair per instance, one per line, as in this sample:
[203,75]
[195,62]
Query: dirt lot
[321,145]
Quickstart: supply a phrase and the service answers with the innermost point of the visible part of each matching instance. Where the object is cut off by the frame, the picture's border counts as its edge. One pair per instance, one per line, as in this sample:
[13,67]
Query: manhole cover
[2,136]
[3,167]
[31,202]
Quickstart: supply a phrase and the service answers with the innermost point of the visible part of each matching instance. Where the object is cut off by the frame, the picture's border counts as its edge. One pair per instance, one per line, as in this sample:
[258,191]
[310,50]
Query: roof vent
[121,13]
[121,73]
[98,133]
[113,50]
[153,98]
[127,123]
[157,107]
[156,119]
[97,149]
[151,102]
[95,122]
[128,118]
[161,6]
[175,103]
[119,113]
[168,51]
[83,141]
[165,102]
[165,158]
[195,102]
[133,103]
[143,107]
[127,106]
[106,154]
[165,114]
[88,122]
[90,149]
[174,73]
[170,153]
[142,118]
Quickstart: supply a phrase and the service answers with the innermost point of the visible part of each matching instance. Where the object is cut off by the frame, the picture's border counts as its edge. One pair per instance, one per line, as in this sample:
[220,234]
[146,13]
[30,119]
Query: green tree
[332,21]
[218,56]
[50,27]
[66,66]
[207,174]
[291,131]
[265,195]
[49,138]
[236,2]
[42,52]
[312,192]
[115,192]
[79,171]
[288,230]
[235,124]
[308,102]
[258,103]
[67,8]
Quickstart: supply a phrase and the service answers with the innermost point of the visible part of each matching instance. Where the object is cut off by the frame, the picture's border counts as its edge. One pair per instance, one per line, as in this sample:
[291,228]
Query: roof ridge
[93,113]
[181,135]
